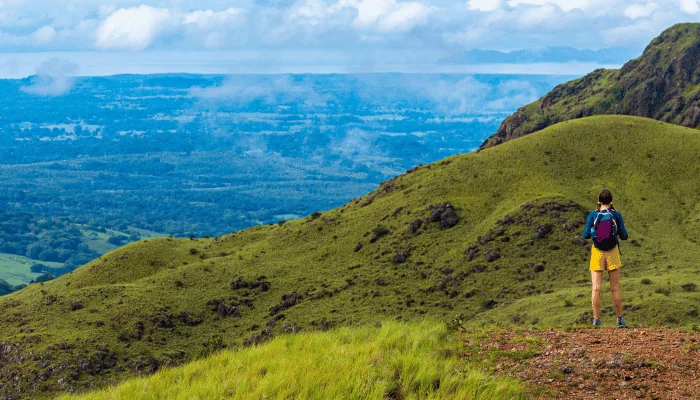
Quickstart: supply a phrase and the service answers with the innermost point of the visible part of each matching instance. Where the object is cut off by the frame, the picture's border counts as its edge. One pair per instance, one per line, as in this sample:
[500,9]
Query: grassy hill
[408,361]
[496,243]
[663,83]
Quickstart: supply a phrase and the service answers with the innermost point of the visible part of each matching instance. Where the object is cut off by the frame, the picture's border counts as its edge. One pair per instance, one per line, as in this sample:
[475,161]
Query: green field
[511,260]
[15,269]
[97,241]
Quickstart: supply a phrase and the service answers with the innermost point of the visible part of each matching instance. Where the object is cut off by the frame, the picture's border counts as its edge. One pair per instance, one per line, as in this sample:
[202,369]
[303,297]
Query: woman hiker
[605,226]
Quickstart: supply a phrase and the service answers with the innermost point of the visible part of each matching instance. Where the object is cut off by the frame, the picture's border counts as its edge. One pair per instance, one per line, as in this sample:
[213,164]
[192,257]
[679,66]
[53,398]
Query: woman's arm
[622,231]
[589,225]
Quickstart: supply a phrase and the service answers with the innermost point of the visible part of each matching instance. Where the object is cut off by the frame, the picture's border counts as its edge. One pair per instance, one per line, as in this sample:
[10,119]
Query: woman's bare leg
[615,290]
[597,280]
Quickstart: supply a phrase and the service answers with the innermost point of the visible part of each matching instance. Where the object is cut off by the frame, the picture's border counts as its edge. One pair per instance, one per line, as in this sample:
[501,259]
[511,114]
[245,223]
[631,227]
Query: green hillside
[663,83]
[497,242]
[408,361]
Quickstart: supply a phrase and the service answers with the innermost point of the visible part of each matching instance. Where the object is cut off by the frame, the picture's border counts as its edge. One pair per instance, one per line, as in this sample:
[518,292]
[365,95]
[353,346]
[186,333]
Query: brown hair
[605,197]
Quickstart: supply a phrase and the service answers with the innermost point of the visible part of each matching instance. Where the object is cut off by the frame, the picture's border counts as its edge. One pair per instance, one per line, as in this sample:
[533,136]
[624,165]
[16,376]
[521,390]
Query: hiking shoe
[596,322]
[621,322]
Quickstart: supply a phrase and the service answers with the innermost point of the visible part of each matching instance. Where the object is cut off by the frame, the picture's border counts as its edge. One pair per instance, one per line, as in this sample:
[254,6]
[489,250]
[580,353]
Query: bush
[646,281]
[689,287]
[39,268]
[43,278]
[118,240]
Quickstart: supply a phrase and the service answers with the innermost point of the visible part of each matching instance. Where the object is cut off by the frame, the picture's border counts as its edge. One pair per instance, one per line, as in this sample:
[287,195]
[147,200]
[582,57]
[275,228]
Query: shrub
[39,268]
[689,287]
[378,233]
[381,231]
[646,281]
[489,304]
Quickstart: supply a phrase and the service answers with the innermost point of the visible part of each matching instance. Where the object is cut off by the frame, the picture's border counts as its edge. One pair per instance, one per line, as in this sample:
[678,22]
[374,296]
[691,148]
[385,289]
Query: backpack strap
[595,222]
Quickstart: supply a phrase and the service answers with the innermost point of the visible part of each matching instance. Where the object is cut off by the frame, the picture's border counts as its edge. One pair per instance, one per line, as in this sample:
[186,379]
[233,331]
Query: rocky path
[605,363]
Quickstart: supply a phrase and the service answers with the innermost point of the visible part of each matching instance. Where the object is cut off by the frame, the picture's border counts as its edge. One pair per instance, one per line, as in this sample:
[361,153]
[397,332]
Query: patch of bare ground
[605,363]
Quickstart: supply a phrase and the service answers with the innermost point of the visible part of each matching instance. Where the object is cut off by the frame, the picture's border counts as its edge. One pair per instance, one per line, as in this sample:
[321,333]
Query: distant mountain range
[611,55]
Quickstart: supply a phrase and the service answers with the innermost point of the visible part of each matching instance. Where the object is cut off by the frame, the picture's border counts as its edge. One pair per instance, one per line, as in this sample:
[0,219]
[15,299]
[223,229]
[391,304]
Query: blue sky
[100,37]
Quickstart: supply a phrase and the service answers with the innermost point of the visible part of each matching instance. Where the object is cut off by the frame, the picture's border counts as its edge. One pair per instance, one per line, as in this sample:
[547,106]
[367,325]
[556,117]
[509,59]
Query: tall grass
[398,360]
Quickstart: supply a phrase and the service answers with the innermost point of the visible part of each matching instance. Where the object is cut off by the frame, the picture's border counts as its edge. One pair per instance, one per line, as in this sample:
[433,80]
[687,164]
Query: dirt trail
[605,363]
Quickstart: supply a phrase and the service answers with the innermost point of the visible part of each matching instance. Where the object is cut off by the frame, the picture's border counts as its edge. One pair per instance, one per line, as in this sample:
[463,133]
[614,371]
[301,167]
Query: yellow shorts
[605,260]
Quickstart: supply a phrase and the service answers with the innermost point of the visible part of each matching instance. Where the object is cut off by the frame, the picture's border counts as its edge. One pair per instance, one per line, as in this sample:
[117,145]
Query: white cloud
[133,28]
[369,11]
[313,12]
[405,16]
[565,5]
[512,94]
[44,35]
[690,6]
[244,90]
[358,145]
[636,11]
[209,19]
[212,29]
[390,15]
[106,10]
[54,77]
[214,40]
[533,17]
[452,98]
[381,15]
[628,34]
[484,5]
[452,25]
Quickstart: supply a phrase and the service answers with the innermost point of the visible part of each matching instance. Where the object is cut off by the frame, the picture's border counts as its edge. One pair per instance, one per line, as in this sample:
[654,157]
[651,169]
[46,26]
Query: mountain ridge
[609,55]
[663,84]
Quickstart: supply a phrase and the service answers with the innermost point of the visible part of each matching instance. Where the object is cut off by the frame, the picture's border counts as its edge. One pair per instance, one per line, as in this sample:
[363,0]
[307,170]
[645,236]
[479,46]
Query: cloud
[54,77]
[636,11]
[358,145]
[405,17]
[390,15]
[512,94]
[209,19]
[133,28]
[450,25]
[449,97]
[628,34]
[363,15]
[212,29]
[690,6]
[484,5]
[241,89]
[44,35]
[565,5]
[537,16]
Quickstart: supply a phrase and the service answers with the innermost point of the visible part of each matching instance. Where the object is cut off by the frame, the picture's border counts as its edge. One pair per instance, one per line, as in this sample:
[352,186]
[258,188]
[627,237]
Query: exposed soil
[605,363]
